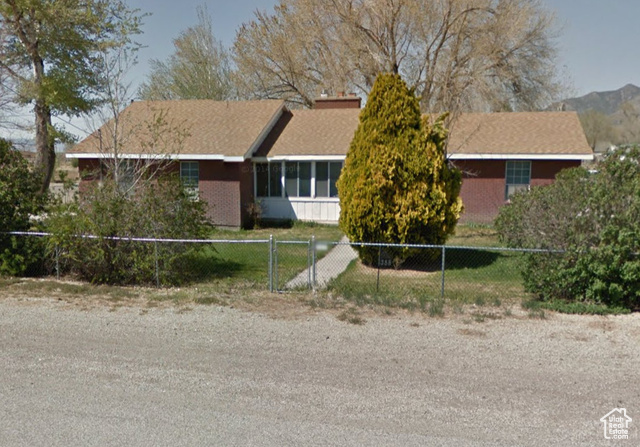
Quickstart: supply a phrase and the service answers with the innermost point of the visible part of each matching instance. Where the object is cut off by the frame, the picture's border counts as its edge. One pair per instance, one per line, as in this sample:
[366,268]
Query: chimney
[340,101]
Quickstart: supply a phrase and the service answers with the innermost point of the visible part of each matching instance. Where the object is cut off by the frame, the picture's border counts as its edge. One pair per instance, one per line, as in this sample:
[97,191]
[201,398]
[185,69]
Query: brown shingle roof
[540,133]
[231,128]
[225,128]
[329,132]
[317,132]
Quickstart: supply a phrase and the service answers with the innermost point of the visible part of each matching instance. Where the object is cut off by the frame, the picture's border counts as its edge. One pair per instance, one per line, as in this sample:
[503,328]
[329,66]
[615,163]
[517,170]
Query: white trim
[240,158]
[186,157]
[298,199]
[313,199]
[551,157]
[265,132]
[301,158]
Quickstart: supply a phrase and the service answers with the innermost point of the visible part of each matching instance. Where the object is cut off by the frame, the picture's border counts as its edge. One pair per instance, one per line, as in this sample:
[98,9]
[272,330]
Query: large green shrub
[396,186]
[19,199]
[156,209]
[593,220]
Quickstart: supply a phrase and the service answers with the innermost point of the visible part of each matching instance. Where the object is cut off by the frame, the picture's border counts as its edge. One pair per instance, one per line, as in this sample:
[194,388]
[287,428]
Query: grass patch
[351,316]
[436,308]
[474,235]
[298,231]
[480,317]
[472,277]
[52,288]
[9,281]
[209,300]
[568,307]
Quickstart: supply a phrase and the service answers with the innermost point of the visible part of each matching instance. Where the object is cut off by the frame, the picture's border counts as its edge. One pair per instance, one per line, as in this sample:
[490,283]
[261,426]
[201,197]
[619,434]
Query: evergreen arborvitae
[396,186]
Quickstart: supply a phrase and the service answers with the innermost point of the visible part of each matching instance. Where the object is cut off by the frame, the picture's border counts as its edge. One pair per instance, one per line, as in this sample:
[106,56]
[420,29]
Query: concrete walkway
[327,268]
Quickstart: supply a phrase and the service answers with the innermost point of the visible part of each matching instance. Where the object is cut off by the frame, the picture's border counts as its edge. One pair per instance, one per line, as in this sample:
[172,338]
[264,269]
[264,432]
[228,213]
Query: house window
[275,184]
[327,173]
[126,175]
[262,179]
[298,179]
[268,179]
[518,177]
[190,176]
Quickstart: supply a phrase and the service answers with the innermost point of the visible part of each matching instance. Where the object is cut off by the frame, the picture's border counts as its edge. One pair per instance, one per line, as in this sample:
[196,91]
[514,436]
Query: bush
[19,199]
[396,186]
[593,219]
[158,209]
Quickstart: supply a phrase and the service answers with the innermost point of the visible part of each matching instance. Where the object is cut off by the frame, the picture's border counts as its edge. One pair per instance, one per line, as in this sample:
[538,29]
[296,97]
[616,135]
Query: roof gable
[518,133]
[317,132]
[225,129]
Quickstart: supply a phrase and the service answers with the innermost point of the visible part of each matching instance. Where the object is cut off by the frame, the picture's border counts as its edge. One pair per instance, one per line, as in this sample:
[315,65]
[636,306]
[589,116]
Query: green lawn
[245,266]
[472,276]
[299,231]
[474,236]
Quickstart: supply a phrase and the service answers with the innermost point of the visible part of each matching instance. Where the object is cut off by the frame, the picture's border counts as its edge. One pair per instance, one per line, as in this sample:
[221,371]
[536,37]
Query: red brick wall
[89,170]
[483,185]
[344,102]
[482,192]
[224,187]
[246,190]
[544,172]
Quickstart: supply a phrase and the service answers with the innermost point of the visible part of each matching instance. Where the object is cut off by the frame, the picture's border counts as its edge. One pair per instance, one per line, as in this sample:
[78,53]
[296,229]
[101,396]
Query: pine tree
[396,185]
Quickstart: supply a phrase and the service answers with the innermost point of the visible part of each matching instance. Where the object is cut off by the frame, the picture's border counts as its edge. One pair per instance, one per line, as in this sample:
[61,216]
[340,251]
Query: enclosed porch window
[297,179]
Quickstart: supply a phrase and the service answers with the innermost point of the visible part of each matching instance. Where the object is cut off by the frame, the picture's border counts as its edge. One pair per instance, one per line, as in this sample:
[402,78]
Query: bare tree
[148,133]
[628,125]
[474,55]
[198,69]
[597,127]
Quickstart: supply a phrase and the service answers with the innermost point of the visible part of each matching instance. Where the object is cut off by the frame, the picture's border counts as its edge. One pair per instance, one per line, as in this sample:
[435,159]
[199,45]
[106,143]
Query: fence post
[309,264]
[155,243]
[57,262]
[378,278]
[444,251]
[276,281]
[271,263]
[313,262]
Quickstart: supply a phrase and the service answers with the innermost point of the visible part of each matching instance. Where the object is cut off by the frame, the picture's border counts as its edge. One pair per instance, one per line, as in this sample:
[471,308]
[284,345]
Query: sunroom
[298,188]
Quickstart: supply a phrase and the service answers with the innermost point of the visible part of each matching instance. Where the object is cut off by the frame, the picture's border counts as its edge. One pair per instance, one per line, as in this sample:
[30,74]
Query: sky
[598,42]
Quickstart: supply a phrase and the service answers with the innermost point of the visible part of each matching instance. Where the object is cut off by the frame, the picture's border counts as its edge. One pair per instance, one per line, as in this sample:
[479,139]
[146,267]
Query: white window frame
[269,172]
[315,182]
[517,168]
[191,184]
[283,179]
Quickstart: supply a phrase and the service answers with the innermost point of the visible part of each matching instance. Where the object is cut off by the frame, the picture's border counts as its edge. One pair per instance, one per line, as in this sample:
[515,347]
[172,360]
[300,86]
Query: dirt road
[219,376]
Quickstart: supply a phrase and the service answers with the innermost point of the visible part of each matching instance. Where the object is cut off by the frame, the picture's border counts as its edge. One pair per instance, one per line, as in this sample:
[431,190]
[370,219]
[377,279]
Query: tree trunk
[45,147]
[45,144]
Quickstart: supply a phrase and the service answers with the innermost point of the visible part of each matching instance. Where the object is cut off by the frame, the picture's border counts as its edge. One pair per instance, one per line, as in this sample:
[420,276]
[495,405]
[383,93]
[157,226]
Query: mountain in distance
[608,103]
[616,119]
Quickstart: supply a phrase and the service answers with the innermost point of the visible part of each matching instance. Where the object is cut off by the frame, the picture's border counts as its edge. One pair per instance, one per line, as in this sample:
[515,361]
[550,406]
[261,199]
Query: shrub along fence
[430,274]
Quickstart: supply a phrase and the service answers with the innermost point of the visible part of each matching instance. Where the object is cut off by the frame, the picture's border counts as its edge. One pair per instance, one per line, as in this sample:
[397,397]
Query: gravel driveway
[218,376]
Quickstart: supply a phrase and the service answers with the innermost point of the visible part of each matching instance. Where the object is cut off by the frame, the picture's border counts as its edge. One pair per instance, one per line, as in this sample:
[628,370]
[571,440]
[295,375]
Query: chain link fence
[429,275]
[406,276]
